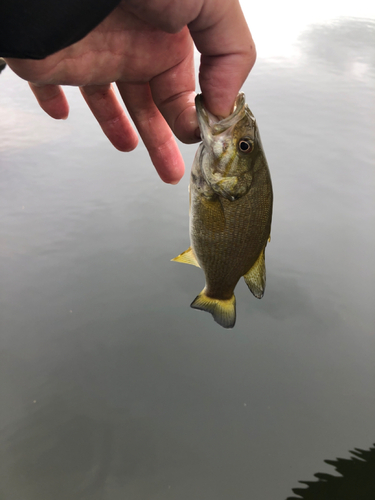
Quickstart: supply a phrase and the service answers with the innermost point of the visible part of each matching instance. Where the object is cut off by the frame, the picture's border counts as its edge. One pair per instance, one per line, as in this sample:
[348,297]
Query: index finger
[154,130]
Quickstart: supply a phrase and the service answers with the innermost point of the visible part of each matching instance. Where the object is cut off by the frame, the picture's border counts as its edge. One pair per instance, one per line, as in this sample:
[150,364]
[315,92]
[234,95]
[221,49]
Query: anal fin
[255,278]
[187,257]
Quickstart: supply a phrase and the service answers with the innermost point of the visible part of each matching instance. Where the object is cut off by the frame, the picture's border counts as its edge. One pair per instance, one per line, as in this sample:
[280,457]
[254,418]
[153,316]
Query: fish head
[230,148]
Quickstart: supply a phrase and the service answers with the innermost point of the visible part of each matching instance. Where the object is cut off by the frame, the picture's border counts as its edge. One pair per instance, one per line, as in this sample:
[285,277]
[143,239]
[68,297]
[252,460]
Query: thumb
[223,38]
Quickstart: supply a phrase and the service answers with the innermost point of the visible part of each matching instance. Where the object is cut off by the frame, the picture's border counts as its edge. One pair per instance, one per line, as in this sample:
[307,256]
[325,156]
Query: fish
[230,209]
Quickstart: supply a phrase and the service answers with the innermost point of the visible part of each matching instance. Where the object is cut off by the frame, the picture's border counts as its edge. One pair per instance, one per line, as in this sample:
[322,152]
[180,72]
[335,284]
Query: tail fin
[223,311]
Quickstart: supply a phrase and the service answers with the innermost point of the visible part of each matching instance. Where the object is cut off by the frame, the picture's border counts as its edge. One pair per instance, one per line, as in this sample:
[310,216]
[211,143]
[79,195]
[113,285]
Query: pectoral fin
[255,278]
[187,257]
[223,311]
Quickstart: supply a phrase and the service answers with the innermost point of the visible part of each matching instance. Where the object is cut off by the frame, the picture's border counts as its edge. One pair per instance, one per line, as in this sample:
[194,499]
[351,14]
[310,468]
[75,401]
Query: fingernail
[198,133]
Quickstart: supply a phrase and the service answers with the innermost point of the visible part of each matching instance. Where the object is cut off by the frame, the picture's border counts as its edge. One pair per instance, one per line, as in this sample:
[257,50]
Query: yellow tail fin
[223,311]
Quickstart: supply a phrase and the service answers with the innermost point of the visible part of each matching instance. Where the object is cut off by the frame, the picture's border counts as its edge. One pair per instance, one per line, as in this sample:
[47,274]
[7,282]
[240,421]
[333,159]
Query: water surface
[111,386]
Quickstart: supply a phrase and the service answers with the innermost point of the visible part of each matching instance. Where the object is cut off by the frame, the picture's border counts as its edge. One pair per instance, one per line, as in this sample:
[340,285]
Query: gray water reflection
[111,386]
[342,43]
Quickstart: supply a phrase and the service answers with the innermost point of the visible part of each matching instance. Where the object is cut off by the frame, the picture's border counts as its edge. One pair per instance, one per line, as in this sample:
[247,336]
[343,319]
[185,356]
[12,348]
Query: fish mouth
[210,125]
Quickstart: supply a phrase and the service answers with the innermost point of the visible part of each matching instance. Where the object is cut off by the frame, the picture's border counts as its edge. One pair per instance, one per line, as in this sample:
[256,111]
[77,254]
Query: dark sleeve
[34,29]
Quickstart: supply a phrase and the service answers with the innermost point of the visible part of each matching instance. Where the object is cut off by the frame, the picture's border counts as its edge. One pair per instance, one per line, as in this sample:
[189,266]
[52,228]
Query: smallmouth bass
[230,196]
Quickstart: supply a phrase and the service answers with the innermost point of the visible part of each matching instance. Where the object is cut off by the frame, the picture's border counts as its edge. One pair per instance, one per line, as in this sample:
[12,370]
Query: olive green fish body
[230,210]
[227,237]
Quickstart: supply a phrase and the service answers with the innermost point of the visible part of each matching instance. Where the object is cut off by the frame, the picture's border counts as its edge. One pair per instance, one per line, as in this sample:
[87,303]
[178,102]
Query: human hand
[146,48]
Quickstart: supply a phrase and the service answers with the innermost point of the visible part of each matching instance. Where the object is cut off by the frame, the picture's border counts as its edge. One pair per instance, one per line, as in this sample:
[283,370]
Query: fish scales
[214,248]
[230,210]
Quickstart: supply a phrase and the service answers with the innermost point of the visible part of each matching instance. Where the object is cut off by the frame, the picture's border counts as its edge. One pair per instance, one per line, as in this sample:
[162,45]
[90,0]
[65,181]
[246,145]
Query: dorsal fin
[187,257]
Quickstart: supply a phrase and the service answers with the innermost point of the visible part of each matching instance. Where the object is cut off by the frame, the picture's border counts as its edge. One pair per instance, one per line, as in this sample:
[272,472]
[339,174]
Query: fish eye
[245,146]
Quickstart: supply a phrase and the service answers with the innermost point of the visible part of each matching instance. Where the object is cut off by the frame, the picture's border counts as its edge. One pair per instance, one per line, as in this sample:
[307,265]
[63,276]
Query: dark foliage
[355,482]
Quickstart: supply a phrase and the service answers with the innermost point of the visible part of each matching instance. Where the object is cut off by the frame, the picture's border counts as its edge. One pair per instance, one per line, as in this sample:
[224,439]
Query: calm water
[111,386]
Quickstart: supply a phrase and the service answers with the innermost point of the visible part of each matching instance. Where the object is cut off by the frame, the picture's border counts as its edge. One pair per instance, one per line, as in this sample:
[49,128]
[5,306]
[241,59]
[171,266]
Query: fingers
[174,92]
[51,99]
[154,130]
[104,105]
[102,101]
[223,38]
